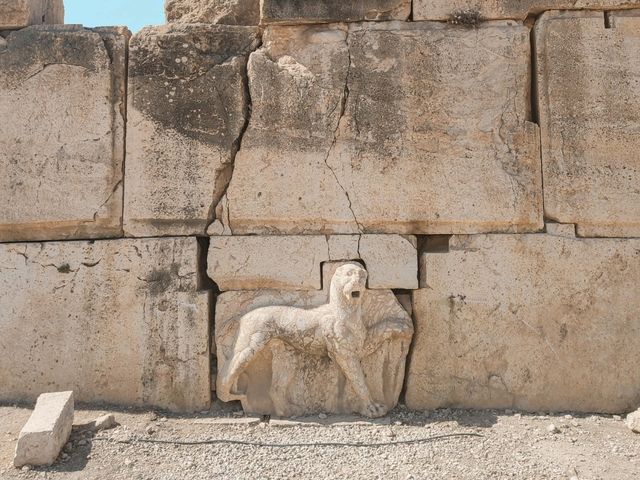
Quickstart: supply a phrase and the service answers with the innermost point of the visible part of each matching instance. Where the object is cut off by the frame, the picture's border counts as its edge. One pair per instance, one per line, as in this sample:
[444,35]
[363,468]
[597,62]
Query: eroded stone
[46,431]
[227,12]
[459,10]
[187,110]
[295,262]
[61,155]
[381,117]
[117,321]
[276,360]
[529,322]
[15,14]
[327,11]
[591,124]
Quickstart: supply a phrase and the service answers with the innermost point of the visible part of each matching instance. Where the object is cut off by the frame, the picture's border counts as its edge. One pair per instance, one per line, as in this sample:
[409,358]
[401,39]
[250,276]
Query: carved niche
[340,350]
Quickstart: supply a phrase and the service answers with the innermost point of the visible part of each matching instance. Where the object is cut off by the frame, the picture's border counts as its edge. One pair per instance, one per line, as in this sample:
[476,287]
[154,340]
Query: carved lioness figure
[336,330]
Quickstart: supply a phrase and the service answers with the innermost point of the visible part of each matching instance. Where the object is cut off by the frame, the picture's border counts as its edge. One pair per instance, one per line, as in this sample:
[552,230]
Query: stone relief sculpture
[343,356]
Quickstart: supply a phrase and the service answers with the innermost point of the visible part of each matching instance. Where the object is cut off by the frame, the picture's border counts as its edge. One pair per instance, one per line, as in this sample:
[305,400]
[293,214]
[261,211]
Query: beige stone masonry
[326,11]
[226,12]
[117,321]
[459,10]
[61,155]
[589,102]
[46,431]
[15,14]
[295,262]
[389,127]
[187,110]
[531,322]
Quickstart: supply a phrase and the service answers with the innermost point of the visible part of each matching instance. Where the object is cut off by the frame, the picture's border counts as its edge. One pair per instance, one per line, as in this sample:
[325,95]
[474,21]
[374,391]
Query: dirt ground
[406,445]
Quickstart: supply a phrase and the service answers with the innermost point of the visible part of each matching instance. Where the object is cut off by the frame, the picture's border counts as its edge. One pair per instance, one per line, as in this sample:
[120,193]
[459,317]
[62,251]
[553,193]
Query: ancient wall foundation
[323,206]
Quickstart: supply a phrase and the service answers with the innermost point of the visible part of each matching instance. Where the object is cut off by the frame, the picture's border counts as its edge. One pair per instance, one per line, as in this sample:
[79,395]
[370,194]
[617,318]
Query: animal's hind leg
[248,345]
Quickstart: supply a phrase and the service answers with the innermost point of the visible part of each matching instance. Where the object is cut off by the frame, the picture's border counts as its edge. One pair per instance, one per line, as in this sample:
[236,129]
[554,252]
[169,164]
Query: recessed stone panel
[389,127]
[62,107]
[531,322]
[589,102]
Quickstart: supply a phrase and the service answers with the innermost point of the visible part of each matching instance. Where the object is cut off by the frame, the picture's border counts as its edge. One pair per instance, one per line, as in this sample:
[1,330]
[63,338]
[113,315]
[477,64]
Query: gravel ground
[503,445]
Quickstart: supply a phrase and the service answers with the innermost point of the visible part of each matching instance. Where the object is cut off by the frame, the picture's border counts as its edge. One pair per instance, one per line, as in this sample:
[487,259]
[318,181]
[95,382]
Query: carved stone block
[62,105]
[187,109]
[327,11]
[403,127]
[15,14]
[224,12]
[530,322]
[589,102]
[117,321]
[294,262]
[342,350]
[460,11]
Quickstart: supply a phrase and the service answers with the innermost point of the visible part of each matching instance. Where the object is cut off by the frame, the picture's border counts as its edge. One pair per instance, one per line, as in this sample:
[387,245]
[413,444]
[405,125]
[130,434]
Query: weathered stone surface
[531,322]
[589,104]
[187,109]
[633,421]
[507,9]
[561,229]
[380,116]
[295,262]
[61,155]
[227,12]
[326,11]
[276,360]
[46,431]
[119,321]
[23,13]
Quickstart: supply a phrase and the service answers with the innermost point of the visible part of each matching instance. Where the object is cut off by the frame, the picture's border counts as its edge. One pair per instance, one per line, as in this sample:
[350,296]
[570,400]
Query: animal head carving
[348,284]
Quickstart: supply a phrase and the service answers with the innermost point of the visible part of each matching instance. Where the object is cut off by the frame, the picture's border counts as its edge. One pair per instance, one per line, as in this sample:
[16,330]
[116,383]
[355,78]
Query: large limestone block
[227,12]
[466,10]
[16,14]
[46,431]
[295,262]
[117,321]
[340,350]
[589,103]
[403,127]
[533,322]
[324,11]
[62,107]
[187,109]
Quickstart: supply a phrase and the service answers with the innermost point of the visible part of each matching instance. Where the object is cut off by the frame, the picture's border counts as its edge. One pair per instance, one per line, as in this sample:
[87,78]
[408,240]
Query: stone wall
[474,163]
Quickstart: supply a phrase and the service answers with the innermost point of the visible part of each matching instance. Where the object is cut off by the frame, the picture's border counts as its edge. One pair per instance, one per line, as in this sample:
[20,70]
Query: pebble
[322,416]
[553,429]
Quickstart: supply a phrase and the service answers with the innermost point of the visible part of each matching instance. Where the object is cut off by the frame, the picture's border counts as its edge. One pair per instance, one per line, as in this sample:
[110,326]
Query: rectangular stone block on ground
[226,12]
[62,154]
[116,321]
[187,109]
[465,11]
[589,102]
[46,431]
[15,14]
[404,127]
[326,11]
[531,322]
[295,262]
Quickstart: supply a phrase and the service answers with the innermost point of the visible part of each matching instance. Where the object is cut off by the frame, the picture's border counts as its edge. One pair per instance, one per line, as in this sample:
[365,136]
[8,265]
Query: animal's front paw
[374,410]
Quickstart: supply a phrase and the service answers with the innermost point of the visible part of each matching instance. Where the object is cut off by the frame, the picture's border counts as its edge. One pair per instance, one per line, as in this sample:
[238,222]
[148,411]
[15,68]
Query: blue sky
[134,14]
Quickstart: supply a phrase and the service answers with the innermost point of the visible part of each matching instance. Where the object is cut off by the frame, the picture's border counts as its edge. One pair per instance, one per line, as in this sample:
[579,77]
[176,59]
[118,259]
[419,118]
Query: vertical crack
[343,107]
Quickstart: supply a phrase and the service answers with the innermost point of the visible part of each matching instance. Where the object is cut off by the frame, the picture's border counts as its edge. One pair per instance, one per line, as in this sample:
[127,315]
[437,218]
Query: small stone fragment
[104,422]
[46,431]
[553,429]
[633,421]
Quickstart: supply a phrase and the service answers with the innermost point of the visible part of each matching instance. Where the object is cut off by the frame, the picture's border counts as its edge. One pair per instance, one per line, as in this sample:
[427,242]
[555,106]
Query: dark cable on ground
[291,445]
